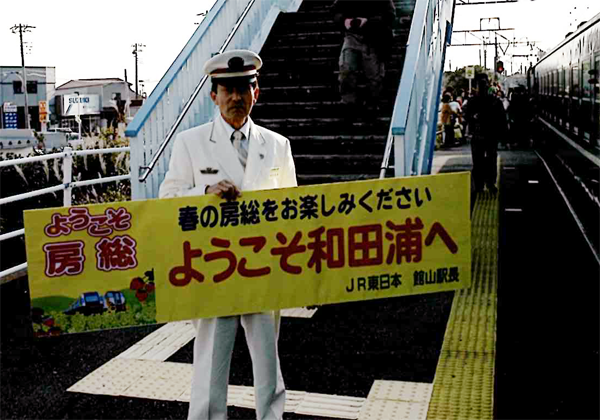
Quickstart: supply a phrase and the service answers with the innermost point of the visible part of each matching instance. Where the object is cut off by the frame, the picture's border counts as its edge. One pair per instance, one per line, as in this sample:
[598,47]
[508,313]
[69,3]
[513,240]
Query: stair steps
[299,95]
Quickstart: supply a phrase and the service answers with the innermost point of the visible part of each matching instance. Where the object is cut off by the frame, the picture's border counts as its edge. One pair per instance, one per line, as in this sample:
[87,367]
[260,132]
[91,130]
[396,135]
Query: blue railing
[181,99]
[414,121]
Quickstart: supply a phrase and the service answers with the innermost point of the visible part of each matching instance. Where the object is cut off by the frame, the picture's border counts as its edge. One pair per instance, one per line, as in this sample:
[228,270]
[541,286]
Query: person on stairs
[368,38]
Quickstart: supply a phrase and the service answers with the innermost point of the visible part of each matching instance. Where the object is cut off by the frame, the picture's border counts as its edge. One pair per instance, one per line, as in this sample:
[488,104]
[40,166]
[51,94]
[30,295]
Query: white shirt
[455,106]
[245,129]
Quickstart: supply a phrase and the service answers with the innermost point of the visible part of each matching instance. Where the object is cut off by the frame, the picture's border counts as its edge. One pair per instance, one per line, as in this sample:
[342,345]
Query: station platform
[522,342]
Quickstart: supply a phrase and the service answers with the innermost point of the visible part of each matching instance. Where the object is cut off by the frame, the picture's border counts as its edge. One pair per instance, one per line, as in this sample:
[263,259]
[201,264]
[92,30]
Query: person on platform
[225,157]
[486,120]
[448,118]
[368,38]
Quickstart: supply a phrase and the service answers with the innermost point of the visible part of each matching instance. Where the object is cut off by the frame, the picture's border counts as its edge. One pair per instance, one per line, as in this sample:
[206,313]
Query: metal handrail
[419,38]
[20,161]
[407,80]
[188,105]
[9,271]
[67,185]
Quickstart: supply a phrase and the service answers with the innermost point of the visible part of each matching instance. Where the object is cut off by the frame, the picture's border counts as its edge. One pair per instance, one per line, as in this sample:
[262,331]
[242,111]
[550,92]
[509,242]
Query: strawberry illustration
[49,322]
[137,283]
[150,287]
[141,295]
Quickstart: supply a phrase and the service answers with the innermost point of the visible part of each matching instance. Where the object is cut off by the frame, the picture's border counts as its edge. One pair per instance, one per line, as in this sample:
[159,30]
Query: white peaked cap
[234,63]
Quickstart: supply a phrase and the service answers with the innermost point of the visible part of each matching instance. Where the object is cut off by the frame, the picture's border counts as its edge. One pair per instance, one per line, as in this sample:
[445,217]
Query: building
[41,82]
[100,103]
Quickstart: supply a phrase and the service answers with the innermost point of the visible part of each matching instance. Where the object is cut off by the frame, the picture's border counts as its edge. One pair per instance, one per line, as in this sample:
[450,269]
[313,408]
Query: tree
[456,80]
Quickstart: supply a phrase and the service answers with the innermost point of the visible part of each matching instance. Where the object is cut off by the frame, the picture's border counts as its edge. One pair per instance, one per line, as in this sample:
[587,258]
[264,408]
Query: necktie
[237,138]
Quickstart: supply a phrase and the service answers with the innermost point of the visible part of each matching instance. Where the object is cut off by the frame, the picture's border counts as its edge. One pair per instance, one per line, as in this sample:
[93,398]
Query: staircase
[299,95]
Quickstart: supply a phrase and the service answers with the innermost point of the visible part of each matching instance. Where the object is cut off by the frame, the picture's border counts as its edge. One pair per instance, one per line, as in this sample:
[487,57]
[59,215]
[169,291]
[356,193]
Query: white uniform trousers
[215,338]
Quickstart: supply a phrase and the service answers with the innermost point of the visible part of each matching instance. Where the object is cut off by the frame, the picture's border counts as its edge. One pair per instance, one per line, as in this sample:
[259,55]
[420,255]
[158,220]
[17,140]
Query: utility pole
[485,58]
[23,28]
[137,48]
[495,55]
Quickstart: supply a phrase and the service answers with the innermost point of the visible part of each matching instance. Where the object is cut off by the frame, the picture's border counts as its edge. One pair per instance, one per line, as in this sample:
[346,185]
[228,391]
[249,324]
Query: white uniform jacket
[204,156]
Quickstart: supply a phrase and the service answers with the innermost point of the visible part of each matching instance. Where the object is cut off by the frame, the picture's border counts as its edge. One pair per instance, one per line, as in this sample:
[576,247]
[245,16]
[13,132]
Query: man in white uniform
[224,157]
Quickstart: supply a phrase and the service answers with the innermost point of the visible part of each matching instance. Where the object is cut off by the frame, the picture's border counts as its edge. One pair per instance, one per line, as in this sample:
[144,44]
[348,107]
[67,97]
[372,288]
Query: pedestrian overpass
[300,44]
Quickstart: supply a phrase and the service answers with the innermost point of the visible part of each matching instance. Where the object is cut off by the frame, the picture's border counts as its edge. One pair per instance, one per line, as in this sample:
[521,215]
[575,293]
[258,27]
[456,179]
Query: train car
[115,300]
[88,303]
[565,85]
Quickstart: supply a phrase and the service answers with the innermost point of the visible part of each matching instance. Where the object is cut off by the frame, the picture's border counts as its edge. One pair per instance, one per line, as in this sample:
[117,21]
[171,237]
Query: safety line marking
[397,400]
[168,381]
[463,386]
[141,372]
[167,340]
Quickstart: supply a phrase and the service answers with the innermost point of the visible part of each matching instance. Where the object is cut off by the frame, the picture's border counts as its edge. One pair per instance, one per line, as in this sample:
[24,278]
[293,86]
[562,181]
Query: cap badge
[236,64]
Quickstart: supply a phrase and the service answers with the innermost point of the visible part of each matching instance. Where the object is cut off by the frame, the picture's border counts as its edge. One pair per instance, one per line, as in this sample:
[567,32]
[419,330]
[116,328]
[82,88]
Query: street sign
[81,105]
[43,107]
[470,72]
[10,107]
[10,115]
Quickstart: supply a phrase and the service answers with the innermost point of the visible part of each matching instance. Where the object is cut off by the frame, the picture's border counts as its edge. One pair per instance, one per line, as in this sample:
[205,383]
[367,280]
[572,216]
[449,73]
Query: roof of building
[81,83]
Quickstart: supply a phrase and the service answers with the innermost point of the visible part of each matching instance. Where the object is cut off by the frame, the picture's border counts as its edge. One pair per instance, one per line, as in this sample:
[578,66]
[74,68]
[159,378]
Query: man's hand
[224,189]
[348,22]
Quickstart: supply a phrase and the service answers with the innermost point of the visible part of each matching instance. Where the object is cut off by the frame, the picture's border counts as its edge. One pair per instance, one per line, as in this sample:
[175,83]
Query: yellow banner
[132,263]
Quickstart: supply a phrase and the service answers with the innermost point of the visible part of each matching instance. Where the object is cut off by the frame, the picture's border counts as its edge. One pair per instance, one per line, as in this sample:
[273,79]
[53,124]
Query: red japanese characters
[68,257]
[355,246]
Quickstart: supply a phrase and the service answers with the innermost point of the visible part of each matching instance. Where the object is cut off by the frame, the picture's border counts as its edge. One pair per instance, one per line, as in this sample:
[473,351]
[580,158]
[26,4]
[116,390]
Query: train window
[542,85]
[568,82]
[554,83]
[597,76]
[575,82]
[561,82]
[587,87]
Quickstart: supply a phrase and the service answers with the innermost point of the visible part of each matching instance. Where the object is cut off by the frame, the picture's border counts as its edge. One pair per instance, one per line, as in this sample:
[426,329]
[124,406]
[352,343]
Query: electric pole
[23,28]
[495,55]
[137,48]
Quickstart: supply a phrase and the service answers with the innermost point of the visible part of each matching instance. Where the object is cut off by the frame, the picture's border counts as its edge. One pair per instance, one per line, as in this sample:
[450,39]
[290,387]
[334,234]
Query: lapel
[224,153]
[257,156]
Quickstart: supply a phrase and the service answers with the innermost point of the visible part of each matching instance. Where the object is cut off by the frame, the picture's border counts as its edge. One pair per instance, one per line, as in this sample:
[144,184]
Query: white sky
[544,21]
[94,40]
[86,40]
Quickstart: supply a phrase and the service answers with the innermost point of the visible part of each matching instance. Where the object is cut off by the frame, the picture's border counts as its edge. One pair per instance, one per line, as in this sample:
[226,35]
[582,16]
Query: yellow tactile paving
[464,380]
